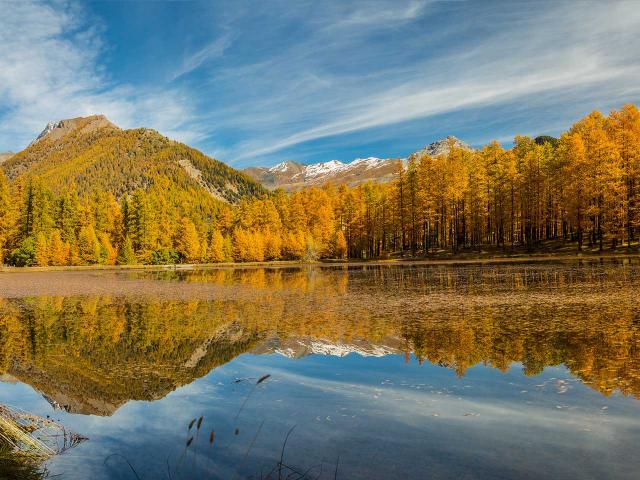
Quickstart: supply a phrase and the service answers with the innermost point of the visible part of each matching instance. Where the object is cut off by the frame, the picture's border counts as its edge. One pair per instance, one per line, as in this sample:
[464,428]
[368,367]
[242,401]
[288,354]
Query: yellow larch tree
[187,241]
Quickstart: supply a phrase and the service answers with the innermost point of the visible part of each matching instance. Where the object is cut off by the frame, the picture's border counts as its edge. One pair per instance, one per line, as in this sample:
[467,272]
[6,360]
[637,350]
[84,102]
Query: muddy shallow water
[519,370]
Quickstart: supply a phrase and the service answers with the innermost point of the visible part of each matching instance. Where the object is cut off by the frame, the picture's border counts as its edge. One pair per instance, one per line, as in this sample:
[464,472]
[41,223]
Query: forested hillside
[94,155]
[125,197]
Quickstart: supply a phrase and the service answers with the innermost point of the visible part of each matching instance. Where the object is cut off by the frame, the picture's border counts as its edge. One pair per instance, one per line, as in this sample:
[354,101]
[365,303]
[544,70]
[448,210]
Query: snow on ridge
[51,126]
[343,349]
[324,168]
[281,167]
[286,352]
[369,162]
[331,167]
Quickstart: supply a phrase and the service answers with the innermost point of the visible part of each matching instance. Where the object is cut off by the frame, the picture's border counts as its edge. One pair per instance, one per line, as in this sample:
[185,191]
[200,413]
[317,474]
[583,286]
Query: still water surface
[462,372]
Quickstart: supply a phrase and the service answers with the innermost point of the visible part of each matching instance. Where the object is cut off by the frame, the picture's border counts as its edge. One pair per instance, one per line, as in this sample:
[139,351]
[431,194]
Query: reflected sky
[499,386]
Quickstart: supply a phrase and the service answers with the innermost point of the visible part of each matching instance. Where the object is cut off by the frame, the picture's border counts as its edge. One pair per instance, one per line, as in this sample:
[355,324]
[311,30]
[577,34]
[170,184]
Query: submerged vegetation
[27,441]
[581,189]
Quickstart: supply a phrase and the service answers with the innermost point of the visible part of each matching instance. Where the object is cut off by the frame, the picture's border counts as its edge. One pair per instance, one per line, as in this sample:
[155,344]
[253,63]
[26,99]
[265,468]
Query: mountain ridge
[290,175]
[57,129]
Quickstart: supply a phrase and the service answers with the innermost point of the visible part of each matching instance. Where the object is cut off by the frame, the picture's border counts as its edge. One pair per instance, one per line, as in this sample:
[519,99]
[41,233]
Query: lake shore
[442,258]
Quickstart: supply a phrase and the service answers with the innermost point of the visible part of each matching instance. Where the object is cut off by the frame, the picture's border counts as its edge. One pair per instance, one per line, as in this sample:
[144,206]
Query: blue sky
[255,83]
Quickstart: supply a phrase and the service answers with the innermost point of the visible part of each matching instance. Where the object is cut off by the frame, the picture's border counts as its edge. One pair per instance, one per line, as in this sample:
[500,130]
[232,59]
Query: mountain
[294,176]
[56,130]
[443,146]
[291,175]
[94,154]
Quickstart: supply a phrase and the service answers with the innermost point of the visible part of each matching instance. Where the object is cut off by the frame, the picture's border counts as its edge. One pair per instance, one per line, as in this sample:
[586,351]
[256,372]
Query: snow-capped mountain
[290,175]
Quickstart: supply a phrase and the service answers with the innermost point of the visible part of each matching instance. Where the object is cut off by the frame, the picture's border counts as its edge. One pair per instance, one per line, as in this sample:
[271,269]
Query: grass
[16,467]
[27,441]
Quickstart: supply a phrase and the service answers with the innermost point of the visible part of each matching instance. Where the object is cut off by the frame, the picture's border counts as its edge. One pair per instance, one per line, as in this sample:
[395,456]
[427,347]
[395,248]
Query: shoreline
[451,259]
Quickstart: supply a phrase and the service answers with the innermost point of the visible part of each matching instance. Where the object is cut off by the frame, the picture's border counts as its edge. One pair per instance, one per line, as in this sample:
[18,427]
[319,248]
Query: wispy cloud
[262,81]
[410,102]
[50,68]
[213,50]
[379,15]
[521,59]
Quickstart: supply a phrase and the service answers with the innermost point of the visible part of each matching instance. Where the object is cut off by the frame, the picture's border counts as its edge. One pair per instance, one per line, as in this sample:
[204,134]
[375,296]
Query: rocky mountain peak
[442,146]
[286,166]
[51,126]
[60,128]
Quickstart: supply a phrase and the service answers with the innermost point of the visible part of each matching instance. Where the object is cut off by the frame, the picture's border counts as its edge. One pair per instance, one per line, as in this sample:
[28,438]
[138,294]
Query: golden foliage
[584,187]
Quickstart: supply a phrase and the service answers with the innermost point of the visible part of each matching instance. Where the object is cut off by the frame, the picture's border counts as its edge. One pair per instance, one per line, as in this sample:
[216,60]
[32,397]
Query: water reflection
[91,354]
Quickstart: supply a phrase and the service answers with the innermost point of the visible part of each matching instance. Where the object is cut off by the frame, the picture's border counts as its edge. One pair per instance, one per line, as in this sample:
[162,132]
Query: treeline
[583,188]
[40,227]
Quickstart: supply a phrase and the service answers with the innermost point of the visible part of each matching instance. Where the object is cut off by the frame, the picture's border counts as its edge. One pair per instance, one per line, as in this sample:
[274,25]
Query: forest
[580,190]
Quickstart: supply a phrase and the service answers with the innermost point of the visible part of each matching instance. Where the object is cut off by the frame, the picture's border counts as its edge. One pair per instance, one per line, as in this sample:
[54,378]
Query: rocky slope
[291,175]
[4,156]
[94,154]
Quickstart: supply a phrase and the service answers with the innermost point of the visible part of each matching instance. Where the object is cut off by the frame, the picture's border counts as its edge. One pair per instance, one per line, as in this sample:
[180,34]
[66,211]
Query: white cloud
[50,69]
[213,50]
[306,71]
[527,56]
[379,15]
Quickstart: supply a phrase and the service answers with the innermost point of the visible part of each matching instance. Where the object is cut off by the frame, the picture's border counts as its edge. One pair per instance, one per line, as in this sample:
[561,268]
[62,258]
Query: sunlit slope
[94,154]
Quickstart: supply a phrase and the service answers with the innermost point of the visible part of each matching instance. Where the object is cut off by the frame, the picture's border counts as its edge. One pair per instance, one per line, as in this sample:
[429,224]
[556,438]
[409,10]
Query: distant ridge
[290,175]
[442,147]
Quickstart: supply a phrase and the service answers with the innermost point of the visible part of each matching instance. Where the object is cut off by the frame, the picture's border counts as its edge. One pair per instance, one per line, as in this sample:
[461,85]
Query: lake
[474,371]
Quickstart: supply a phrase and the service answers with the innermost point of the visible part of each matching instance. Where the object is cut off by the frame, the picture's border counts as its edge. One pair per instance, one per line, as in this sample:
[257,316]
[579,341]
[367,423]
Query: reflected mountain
[93,355]
[90,354]
[298,347]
